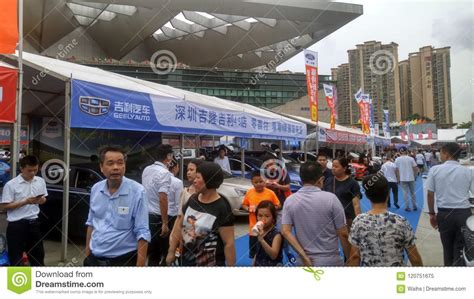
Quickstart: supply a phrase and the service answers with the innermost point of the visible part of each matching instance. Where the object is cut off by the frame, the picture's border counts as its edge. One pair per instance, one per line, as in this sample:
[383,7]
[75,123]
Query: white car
[234,189]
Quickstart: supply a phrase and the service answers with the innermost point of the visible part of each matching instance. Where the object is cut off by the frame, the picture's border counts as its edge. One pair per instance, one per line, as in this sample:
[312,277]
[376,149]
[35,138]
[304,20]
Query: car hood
[238,182]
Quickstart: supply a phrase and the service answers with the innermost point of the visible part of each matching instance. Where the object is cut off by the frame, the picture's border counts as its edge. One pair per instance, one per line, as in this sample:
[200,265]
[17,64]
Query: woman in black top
[206,223]
[345,188]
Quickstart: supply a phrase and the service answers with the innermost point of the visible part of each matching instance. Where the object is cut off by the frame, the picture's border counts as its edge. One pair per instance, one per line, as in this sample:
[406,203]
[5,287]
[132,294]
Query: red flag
[403,135]
[8,82]
[311,62]
[8,26]
[330,99]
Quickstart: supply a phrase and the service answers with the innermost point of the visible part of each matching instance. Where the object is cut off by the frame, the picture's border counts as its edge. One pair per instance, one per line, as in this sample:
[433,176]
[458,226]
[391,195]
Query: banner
[6,135]
[8,83]
[386,126]
[339,137]
[98,106]
[329,92]
[335,100]
[311,63]
[371,119]
[8,26]
[364,109]
[322,135]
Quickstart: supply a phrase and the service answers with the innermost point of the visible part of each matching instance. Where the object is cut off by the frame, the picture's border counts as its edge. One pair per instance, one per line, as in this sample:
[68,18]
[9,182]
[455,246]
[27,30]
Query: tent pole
[317,138]
[281,150]
[305,147]
[16,144]
[334,151]
[181,162]
[242,158]
[67,150]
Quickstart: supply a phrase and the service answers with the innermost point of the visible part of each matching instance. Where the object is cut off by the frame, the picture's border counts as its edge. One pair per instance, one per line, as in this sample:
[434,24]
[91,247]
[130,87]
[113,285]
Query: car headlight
[240,192]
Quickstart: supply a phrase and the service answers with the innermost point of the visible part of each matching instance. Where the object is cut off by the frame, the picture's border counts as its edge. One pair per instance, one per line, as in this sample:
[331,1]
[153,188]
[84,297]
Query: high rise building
[373,67]
[426,77]
[405,90]
[341,76]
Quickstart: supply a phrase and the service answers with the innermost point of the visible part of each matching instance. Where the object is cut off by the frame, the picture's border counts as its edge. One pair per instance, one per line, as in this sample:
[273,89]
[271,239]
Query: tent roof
[425,141]
[64,70]
[323,124]
[449,135]
[6,65]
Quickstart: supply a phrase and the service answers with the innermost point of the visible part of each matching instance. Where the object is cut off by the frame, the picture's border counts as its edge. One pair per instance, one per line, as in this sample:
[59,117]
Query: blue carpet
[242,243]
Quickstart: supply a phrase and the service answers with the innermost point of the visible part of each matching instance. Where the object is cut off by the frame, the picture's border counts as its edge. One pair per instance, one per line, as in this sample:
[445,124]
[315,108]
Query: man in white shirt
[428,159]
[389,171]
[223,160]
[156,179]
[21,198]
[406,174]
[420,161]
[451,182]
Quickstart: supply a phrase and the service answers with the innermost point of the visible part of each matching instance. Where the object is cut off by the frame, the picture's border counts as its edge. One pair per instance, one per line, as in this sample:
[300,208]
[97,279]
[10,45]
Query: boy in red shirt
[251,200]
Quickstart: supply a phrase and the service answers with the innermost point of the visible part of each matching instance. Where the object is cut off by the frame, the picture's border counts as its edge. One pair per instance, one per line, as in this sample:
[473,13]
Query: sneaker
[397,206]
[408,209]
[415,209]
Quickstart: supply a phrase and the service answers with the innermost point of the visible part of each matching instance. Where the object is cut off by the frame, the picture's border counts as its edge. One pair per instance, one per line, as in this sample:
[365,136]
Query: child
[268,250]
[252,198]
[378,237]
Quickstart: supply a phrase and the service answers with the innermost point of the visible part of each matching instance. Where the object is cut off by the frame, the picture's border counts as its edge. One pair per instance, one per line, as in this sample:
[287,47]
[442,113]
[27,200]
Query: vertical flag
[364,107]
[329,92]
[8,26]
[8,82]
[386,126]
[430,134]
[334,96]
[371,119]
[358,98]
[311,62]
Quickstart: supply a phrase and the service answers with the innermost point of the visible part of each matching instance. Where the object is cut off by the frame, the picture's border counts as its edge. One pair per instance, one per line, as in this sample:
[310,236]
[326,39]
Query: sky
[412,25]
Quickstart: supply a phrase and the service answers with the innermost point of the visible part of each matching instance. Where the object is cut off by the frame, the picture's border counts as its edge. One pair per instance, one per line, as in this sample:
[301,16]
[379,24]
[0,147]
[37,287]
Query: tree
[465,125]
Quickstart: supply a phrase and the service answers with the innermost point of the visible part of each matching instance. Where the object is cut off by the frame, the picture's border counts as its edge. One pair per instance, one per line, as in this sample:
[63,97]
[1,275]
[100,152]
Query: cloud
[456,32]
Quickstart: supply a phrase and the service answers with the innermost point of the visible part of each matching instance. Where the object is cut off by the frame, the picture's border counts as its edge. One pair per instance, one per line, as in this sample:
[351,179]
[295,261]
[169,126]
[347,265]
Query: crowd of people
[162,222]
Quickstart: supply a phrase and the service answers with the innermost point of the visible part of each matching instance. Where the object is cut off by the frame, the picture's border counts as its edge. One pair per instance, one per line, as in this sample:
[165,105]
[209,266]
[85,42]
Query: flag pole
[16,145]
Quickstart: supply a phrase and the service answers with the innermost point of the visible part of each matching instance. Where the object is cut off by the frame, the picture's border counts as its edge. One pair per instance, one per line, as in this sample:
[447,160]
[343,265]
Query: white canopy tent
[47,93]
